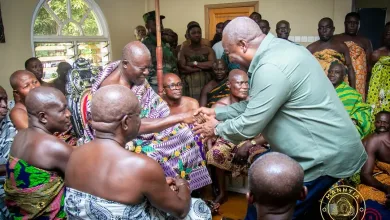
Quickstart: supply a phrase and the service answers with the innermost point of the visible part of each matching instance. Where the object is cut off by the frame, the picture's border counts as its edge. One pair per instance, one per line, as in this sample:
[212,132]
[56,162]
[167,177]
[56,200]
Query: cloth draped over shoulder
[81,205]
[359,62]
[174,148]
[33,193]
[327,56]
[379,90]
[219,92]
[356,108]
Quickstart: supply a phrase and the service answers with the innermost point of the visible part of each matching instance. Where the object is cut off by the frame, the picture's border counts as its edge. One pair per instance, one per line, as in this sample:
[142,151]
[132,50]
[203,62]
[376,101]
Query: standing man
[140,33]
[218,34]
[255,16]
[283,29]
[264,26]
[327,50]
[360,49]
[62,70]
[35,66]
[218,49]
[7,133]
[169,59]
[288,109]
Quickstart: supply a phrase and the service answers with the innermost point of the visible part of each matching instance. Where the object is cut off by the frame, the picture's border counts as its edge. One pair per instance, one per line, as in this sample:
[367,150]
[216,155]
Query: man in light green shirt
[293,104]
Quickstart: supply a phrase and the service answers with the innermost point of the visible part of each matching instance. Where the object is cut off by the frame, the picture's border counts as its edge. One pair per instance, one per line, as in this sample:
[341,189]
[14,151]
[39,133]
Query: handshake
[204,122]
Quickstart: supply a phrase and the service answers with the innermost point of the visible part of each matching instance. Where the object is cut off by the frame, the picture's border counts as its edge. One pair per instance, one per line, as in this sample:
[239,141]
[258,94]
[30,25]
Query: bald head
[170,77]
[237,73]
[17,75]
[275,180]
[241,39]
[135,50]
[326,20]
[42,99]
[241,28]
[121,101]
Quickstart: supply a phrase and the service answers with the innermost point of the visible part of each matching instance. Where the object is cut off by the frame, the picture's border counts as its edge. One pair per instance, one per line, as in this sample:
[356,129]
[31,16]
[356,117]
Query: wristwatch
[195,63]
[253,142]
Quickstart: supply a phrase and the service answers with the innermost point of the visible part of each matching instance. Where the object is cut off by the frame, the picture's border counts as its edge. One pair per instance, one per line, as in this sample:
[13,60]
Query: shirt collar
[263,46]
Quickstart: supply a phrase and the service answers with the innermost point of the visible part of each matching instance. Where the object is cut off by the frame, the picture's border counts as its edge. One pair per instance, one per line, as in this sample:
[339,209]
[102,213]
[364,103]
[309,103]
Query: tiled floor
[234,208]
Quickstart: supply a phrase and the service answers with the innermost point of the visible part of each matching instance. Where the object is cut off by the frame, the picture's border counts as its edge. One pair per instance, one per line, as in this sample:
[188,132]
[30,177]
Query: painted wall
[303,15]
[124,15]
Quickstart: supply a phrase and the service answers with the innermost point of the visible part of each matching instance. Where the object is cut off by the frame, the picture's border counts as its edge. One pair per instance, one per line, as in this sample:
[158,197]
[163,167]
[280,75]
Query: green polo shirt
[294,105]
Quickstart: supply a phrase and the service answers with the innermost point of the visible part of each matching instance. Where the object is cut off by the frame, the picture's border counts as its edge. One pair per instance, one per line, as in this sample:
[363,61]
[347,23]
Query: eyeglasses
[172,86]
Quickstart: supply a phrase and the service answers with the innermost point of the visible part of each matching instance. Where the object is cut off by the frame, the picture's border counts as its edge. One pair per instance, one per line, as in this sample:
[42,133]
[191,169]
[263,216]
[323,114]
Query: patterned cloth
[196,81]
[359,62]
[169,59]
[80,205]
[379,91]
[327,56]
[356,108]
[7,133]
[381,173]
[221,156]
[33,193]
[68,137]
[174,148]
[219,92]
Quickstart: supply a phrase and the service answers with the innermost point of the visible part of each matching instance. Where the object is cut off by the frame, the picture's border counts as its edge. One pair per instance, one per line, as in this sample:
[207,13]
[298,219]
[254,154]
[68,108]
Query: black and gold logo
[342,203]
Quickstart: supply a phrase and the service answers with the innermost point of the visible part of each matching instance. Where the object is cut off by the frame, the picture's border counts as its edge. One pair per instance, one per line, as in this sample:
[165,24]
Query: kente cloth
[327,56]
[68,137]
[174,148]
[81,205]
[356,108]
[196,81]
[221,156]
[379,90]
[33,193]
[217,93]
[381,173]
[359,62]
[169,59]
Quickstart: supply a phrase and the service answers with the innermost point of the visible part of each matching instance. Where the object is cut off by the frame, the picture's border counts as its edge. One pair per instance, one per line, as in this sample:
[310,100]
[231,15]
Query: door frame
[255,4]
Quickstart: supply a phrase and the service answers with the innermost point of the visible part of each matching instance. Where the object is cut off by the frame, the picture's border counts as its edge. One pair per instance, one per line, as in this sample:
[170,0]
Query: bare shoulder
[142,166]
[376,55]
[222,102]
[373,142]
[191,102]
[312,47]
[209,86]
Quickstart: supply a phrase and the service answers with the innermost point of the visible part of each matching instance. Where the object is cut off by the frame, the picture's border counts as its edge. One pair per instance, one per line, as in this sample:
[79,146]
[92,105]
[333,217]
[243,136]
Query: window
[64,30]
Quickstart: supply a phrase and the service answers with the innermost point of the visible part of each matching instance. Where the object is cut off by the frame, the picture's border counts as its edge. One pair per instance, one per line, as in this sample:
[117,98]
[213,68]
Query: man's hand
[241,157]
[181,182]
[171,183]
[206,130]
[188,117]
[205,111]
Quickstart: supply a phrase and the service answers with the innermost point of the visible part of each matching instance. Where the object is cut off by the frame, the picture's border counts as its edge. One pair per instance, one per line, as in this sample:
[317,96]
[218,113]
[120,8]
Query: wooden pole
[159,53]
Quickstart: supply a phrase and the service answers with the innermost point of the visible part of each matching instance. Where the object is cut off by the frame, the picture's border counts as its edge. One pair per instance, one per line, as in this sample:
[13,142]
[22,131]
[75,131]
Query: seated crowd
[146,157]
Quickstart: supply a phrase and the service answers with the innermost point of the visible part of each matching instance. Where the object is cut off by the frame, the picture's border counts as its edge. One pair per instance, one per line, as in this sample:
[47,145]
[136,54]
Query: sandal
[214,207]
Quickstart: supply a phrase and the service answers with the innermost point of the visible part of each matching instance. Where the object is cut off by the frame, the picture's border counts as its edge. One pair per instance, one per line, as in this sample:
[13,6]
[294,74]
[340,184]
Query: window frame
[74,39]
